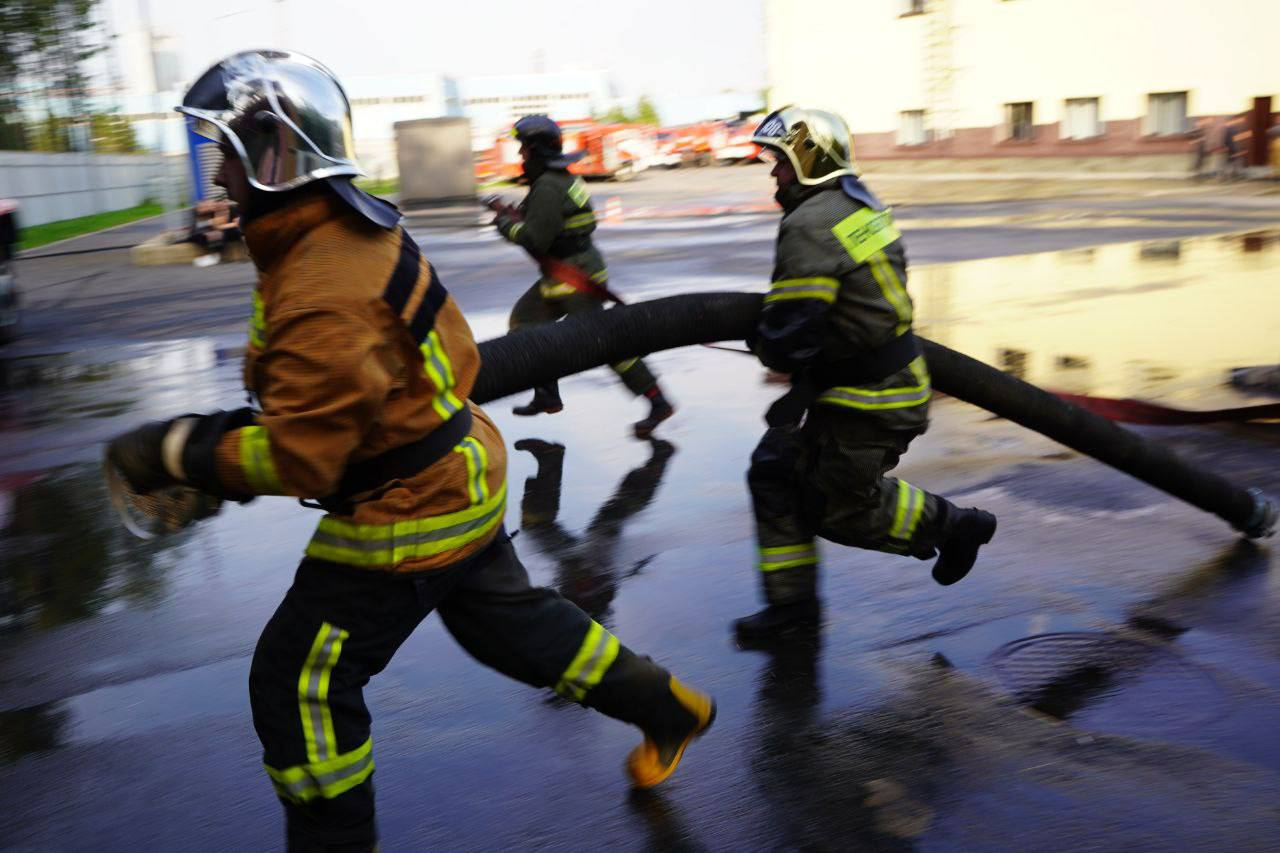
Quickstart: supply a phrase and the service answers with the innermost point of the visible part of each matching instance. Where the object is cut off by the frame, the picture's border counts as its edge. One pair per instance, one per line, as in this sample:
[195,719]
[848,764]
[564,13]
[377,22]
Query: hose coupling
[1263,521]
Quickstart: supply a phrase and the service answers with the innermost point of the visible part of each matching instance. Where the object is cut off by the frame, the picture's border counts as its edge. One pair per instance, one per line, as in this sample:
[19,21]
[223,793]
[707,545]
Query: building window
[1080,119]
[1012,362]
[910,7]
[911,128]
[1166,114]
[1018,121]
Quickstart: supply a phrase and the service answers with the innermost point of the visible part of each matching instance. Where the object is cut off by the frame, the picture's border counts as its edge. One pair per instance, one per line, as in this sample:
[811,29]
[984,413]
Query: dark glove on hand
[138,455]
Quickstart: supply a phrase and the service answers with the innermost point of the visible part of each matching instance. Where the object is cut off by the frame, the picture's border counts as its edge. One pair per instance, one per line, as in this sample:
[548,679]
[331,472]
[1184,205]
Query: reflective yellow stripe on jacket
[872,399]
[255,461]
[821,288]
[578,193]
[440,371]
[258,322]
[371,545]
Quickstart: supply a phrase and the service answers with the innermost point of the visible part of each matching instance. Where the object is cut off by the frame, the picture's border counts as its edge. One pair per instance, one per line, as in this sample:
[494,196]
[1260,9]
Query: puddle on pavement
[1165,320]
[66,559]
[587,566]
[65,555]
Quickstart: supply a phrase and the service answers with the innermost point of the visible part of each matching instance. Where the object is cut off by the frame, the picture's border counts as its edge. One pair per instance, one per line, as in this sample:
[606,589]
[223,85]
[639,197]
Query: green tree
[616,115]
[43,47]
[113,135]
[646,112]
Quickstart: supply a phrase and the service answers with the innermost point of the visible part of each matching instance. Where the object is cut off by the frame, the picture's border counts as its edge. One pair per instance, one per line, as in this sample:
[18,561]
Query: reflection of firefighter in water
[362,363]
[838,319]
[554,224]
[587,574]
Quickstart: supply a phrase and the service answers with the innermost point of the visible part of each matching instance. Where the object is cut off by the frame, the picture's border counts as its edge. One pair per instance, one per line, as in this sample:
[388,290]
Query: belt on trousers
[399,463]
[863,369]
[567,245]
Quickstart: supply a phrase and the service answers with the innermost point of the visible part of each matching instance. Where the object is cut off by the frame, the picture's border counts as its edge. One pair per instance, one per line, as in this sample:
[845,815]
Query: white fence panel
[63,186]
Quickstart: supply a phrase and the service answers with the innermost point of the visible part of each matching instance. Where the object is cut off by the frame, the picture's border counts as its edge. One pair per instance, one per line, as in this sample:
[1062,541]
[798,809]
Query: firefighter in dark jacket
[361,364]
[554,224]
[837,318]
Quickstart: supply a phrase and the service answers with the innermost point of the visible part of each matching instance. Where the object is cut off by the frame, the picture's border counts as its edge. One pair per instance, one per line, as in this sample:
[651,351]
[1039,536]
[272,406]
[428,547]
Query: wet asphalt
[1109,675]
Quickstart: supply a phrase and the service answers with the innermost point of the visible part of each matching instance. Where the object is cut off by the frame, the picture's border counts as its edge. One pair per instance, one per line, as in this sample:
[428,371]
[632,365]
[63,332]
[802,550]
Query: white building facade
[1008,78]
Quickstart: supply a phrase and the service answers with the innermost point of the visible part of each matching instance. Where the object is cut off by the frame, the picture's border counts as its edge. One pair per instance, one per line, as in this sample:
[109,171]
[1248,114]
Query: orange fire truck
[612,151]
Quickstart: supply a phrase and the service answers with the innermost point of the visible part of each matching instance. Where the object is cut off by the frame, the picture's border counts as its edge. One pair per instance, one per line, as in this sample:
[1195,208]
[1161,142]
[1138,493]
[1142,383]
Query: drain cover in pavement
[1108,682]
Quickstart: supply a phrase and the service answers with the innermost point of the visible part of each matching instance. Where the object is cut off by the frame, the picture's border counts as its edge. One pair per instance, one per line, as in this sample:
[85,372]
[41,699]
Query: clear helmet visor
[284,114]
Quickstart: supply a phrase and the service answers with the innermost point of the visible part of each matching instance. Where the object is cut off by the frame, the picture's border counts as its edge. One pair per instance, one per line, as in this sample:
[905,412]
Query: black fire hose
[534,355]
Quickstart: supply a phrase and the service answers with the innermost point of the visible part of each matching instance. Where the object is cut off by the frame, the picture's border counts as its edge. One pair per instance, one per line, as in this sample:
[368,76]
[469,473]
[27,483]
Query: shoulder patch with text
[865,232]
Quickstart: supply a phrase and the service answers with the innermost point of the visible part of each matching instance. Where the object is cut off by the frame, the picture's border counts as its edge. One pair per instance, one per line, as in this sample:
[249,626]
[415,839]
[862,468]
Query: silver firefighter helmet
[817,143]
[283,113]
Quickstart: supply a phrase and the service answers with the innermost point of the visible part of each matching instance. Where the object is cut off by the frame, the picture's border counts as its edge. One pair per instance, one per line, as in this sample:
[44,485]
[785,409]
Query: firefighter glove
[139,455]
[504,221]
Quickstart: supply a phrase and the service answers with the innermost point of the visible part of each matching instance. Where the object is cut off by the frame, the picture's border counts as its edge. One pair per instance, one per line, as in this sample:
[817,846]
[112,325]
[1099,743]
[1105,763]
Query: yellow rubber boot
[657,758]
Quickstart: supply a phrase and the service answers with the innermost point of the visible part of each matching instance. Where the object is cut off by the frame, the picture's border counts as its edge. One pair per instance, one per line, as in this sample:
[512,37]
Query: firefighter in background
[361,363]
[553,224]
[837,318]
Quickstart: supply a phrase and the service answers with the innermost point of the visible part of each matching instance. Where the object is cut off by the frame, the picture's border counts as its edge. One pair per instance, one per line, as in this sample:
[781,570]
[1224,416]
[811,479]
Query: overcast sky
[659,47]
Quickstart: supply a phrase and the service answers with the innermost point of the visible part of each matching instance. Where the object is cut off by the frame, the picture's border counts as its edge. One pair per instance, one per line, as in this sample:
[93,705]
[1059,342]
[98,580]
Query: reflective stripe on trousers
[549,289]
[596,654]
[327,772]
[326,779]
[788,556]
[911,502]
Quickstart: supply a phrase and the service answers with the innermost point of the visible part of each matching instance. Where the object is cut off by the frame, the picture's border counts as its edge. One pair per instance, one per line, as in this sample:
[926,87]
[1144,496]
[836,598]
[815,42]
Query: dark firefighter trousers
[827,479]
[337,627]
[533,308]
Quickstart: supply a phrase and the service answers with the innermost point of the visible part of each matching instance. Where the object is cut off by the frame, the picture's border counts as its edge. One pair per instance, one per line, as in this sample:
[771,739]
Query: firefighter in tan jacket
[360,363]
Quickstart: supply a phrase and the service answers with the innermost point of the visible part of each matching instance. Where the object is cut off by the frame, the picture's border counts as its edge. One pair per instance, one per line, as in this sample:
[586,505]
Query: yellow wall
[861,59]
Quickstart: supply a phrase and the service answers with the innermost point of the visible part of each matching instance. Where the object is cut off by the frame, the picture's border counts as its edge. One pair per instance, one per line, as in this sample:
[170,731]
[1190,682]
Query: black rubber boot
[966,531]
[659,410]
[778,622]
[546,401]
